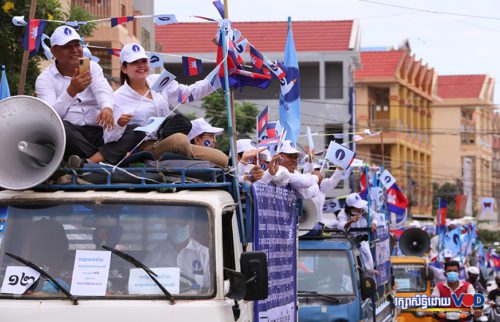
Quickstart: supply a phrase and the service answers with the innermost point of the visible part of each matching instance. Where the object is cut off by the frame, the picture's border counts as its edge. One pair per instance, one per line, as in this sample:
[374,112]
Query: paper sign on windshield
[90,273]
[140,283]
[18,279]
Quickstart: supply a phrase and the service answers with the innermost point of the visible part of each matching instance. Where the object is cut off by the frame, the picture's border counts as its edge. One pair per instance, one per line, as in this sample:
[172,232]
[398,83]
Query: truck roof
[331,243]
[211,198]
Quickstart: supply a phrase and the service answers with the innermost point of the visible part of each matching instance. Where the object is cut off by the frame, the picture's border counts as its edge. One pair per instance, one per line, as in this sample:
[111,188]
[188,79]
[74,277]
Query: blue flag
[290,91]
[4,85]
[452,241]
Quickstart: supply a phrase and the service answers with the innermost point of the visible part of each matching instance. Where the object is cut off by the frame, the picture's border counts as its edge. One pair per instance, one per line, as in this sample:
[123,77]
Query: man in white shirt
[247,154]
[84,101]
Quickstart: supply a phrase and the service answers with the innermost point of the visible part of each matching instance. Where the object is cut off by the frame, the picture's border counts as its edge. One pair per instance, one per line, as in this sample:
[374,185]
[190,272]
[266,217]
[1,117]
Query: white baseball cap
[243,145]
[201,126]
[288,147]
[266,155]
[448,253]
[63,35]
[473,270]
[132,52]
[354,200]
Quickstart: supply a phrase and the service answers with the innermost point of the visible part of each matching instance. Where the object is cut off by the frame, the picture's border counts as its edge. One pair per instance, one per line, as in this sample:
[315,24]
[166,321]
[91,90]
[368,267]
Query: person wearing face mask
[354,214]
[181,250]
[136,103]
[473,278]
[83,101]
[453,285]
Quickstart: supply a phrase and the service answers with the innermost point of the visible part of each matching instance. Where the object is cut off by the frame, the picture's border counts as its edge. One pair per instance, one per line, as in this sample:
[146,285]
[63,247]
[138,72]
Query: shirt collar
[460,284]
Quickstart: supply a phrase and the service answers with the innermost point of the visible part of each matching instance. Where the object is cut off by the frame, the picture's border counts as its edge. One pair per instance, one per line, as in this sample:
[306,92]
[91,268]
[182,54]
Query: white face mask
[179,233]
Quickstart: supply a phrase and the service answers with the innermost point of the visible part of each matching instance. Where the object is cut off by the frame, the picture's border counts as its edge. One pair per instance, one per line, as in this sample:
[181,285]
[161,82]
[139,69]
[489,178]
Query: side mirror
[254,268]
[368,287]
[237,284]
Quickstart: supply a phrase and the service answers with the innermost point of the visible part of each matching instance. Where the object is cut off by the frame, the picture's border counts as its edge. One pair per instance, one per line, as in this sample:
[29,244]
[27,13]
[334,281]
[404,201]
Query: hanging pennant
[155,60]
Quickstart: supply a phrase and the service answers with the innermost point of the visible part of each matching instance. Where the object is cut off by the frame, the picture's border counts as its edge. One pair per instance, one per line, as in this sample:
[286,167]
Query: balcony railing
[98,8]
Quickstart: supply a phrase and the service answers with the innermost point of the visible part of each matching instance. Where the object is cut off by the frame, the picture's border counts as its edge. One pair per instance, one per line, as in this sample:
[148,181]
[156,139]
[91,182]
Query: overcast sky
[451,44]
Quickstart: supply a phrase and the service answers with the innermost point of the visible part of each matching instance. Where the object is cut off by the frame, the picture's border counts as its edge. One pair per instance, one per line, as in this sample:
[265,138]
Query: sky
[452,44]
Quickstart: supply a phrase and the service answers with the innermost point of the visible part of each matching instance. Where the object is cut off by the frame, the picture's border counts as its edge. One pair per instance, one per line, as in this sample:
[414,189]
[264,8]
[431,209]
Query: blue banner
[383,255]
[275,232]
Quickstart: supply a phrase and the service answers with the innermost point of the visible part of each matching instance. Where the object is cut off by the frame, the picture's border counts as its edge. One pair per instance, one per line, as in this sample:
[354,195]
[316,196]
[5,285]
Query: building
[463,145]
[147,28]
[394,92]
[105,36]
[327,52]
[496,162]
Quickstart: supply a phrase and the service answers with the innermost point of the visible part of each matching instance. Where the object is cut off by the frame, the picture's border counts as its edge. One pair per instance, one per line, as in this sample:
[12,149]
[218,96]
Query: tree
[11,52]
[216,115]
[448,192]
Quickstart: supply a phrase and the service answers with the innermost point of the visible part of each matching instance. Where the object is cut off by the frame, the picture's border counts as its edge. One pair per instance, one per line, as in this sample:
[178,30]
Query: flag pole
[26,54]
[232,142]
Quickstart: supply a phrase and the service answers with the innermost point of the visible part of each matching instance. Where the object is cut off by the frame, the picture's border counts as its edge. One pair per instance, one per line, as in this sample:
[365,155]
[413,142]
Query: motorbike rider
[453,285]
[473,273]
[493,295]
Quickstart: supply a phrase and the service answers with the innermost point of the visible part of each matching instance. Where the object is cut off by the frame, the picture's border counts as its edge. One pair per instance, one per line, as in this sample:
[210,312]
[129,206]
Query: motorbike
[459,316]
[494,311]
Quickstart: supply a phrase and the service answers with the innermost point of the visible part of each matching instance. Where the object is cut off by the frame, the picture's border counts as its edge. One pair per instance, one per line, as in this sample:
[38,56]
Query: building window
[309,80]
[468,127]
[334,80]
[379,107]
[334,132]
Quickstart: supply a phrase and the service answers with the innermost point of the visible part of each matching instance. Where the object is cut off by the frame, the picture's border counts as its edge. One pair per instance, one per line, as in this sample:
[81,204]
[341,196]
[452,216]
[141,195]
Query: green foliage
[11,52]
[448,192]
[216,115]
[79,14]
[488,236]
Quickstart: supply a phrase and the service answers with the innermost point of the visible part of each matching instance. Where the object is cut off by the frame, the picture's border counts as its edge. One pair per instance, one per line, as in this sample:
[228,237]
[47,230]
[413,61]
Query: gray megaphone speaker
[309,217]
[414,242]
[32,141]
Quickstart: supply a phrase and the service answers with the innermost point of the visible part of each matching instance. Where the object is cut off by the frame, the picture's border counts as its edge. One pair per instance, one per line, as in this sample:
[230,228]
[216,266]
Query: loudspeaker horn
[32,142]
[309,217]
[414,242]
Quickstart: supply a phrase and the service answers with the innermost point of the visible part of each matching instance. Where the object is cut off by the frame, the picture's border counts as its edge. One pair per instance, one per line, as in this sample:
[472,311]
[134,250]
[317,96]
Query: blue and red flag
[396,200]
[363,192]
[257,58]
[262,119]
[121,20]
[33,35]
[441,216]
[181,98]
[191,66]
[273,129]
[114,51]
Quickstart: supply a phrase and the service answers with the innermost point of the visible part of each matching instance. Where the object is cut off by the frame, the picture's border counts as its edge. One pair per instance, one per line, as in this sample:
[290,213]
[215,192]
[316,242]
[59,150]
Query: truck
[59,228]
[332,285]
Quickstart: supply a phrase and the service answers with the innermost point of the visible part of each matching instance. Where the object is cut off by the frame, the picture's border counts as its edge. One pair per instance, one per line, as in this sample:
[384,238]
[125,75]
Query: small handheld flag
[155,60]
[161,83]
[161,20]
[182,99]
[310,140]
[339,155]
[262,119]
[191,66]
[387,179]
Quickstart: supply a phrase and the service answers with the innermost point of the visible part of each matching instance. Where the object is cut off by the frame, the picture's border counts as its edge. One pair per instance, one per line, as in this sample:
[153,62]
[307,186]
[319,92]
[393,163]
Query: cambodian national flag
[363,192]
[33,35]
[262,119]
[191,66]
[396,200]
[120,20]
[114,52]
[183,99]
[290,92]
[274,129]
[257,58]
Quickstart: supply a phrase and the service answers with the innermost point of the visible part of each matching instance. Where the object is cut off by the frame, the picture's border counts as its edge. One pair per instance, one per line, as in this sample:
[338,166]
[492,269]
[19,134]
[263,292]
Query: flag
[387,179]
[396,200]
[162,81]
[114,51]
[191,66]
[441,216]
[155,60]
[339,155]
[161,20]
[273,129]
[4,85]
[220,7]
[256,58]
[487,206]
[363,192]
[452,241]
[120,20]
[181,98]
[290,99]
[213,78]
[33,35]
[262,119]
[459,204]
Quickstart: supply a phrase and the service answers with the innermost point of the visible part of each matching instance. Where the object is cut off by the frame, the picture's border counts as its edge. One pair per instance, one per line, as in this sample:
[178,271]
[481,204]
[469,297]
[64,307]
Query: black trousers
[86,140]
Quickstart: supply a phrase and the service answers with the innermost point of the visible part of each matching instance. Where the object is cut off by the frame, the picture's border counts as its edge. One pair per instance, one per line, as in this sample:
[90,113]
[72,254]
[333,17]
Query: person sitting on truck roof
[83,101]
[247,154]
[136,103]
[181,250]
[354,215]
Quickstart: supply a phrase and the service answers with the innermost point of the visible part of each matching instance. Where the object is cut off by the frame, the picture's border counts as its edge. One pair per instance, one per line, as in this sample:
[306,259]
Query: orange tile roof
[265,36]
[460,86]
[379,63]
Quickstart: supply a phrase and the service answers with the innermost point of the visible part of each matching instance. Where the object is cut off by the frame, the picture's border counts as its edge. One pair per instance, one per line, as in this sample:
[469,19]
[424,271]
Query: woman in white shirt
[135,103]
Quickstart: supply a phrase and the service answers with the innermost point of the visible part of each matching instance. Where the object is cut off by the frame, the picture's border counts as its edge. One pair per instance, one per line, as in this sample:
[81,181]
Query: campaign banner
[275,232]
[383,255]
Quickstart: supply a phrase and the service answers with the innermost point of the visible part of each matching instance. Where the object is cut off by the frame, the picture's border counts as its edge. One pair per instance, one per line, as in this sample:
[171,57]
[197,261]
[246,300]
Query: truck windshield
[325,272]
[410,278]
[175,241]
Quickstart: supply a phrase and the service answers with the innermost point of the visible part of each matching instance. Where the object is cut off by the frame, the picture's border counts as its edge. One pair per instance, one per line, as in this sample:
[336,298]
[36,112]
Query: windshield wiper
[148,270]
[316,294]
[46,275]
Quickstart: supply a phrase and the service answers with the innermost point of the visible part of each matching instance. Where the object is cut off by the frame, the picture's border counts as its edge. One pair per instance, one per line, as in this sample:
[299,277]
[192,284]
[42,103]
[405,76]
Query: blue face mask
[452,277]
[179,233]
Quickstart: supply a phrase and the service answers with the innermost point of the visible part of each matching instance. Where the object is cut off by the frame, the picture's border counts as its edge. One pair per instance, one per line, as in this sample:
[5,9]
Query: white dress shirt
[82,109]
[361,223]
[128,101]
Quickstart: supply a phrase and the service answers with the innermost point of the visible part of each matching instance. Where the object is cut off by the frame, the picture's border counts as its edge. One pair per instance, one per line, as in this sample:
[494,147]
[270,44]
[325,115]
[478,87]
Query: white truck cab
[49,229]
